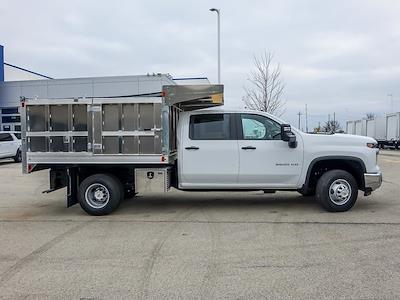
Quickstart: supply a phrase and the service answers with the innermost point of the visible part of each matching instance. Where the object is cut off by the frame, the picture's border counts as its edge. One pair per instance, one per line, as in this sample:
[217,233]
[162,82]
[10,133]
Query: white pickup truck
[106,149]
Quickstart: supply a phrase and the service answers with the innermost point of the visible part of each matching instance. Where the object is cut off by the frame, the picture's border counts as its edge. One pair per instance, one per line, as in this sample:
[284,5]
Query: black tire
[337,191]
[108,187]
[18,156]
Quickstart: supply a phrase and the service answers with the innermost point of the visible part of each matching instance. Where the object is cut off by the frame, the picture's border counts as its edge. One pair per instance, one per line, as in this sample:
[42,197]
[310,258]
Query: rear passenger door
[209,155]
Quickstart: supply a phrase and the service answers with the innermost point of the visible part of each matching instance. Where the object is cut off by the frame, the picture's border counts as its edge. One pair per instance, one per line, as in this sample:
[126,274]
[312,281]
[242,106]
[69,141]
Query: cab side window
[6,137]
[256,127]
[210,127]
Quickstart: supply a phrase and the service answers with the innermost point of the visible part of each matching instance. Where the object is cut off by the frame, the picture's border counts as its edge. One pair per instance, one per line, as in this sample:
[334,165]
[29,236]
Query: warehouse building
[17,82]
[9,116]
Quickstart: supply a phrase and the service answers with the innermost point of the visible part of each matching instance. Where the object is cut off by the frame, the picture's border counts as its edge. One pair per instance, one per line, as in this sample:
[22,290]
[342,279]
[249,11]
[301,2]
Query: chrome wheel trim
[340,191]
[97,196]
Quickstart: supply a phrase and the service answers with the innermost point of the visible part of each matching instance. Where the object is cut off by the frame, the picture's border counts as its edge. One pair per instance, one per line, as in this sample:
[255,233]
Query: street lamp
[391,102]
[219,42]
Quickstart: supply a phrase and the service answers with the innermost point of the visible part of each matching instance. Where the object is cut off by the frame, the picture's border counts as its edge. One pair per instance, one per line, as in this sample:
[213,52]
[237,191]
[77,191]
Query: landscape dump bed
[132,129]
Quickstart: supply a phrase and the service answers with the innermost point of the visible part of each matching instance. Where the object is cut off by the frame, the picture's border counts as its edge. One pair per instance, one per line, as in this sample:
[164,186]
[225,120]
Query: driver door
[265,161]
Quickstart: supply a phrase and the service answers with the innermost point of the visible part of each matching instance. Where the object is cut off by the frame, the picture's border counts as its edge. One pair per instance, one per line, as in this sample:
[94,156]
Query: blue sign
[1,63]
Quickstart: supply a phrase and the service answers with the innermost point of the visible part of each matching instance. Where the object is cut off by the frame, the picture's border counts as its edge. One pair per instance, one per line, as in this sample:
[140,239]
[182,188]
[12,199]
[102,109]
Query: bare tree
[370,116]
[265,92]
[332,126]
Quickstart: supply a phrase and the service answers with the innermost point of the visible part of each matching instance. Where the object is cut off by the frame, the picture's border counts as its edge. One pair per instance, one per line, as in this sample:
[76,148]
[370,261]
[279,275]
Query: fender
[333,157]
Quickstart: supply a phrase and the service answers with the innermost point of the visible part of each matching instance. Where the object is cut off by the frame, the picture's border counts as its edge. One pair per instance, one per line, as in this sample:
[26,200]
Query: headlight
[372,145]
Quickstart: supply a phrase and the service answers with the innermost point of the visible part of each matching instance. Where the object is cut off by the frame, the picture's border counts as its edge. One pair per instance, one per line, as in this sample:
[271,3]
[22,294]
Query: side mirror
[288,136]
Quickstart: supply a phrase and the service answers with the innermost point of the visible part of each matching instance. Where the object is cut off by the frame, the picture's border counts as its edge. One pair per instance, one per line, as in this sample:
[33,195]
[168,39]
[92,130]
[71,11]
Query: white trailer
[380,131]
[393,130]
[350,128]
[385,130]
[371,128]
[360,127]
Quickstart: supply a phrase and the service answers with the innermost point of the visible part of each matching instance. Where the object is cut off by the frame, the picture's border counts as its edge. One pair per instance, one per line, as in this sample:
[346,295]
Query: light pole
[219,42]
[391,102]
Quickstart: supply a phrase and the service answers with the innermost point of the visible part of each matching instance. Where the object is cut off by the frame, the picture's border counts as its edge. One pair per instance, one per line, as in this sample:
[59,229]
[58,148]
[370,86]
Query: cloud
[336,56]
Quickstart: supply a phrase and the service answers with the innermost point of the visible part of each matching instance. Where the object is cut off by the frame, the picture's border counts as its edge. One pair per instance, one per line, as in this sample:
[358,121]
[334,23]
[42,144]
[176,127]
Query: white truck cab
[245,150]
[227,149]
[10,146]
[106,148]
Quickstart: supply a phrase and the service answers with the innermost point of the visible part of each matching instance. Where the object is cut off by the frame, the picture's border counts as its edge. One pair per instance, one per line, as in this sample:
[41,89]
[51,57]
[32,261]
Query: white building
[17,82]
[9,116]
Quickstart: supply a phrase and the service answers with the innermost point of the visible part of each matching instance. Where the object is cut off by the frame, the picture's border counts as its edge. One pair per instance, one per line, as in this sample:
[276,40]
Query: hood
[339,139]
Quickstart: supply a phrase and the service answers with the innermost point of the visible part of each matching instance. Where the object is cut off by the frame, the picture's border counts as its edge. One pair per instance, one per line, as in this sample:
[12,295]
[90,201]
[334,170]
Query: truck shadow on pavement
[215,201]
[234,202]
[234,206]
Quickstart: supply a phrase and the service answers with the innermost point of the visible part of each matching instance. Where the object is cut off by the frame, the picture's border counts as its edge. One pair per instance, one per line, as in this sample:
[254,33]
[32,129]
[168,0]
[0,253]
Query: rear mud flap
[72,188]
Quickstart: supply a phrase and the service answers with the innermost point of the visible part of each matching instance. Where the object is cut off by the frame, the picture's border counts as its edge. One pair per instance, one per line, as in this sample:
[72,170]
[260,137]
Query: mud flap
[58,180]
[72,188]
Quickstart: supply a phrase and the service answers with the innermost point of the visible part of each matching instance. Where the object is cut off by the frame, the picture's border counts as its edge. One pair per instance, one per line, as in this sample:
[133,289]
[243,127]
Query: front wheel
[337,191]
[100,194]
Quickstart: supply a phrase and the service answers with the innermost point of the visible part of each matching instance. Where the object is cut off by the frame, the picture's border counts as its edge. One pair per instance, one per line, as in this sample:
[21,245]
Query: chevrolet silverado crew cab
[10,145]
[105,149]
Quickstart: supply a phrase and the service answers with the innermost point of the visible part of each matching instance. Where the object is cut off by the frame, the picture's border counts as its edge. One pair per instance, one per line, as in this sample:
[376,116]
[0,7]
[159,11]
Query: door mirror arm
[288,136]
[292,141]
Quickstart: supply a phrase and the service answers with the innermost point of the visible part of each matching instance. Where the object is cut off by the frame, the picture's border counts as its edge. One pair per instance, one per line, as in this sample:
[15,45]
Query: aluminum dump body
[110,130]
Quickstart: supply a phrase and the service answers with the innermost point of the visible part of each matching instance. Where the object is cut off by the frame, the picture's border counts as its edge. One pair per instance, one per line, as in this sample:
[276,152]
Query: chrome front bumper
[372,181]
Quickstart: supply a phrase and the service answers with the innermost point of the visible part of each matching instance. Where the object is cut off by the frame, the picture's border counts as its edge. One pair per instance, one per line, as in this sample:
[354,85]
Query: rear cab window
[211,127]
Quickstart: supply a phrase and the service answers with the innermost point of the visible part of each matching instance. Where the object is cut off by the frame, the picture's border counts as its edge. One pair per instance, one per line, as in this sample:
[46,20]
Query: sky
[339,56]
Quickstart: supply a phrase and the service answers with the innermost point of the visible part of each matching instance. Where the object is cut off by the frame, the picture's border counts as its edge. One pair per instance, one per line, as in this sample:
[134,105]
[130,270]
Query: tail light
[30,168]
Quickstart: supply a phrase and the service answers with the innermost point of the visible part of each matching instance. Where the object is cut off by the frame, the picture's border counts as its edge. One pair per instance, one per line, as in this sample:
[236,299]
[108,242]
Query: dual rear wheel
[100,194]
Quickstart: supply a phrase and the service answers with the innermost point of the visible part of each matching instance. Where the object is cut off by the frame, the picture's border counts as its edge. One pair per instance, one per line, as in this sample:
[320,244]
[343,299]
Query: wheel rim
[97,196]
[340,191]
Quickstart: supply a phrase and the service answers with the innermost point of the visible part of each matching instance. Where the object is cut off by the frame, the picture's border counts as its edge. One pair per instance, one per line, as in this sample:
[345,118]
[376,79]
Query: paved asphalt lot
[198,245]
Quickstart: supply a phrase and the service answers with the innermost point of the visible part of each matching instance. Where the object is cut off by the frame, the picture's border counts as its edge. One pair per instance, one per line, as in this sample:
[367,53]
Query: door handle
[249,148]
[192,148]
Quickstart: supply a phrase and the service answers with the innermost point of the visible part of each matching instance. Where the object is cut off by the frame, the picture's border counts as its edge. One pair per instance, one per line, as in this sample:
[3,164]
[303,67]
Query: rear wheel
[100,194]
[337,191]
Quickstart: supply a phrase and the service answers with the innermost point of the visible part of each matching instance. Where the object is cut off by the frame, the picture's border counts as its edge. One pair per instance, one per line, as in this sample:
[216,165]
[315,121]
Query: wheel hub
[97,196]
[340,191]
